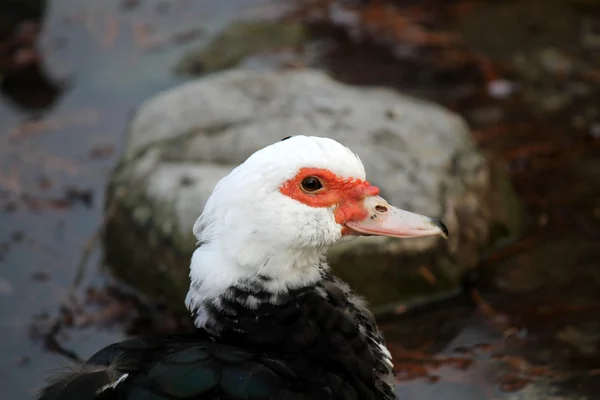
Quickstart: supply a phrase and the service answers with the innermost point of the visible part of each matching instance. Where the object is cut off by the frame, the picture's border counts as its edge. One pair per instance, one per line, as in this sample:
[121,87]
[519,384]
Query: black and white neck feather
[321,317]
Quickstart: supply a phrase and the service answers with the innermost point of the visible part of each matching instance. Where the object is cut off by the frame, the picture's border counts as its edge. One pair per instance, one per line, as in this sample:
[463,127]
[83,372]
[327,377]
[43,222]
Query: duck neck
[225,282]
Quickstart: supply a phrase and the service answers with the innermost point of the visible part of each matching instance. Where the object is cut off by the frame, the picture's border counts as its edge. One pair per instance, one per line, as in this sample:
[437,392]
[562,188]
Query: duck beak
[386,220]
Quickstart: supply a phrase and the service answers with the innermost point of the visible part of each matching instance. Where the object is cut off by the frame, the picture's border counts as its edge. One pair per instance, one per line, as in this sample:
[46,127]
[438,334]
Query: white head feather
[249,228]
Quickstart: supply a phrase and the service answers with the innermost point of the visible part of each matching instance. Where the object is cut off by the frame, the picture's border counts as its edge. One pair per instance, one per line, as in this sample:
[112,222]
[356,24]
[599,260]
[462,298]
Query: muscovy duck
[271,321]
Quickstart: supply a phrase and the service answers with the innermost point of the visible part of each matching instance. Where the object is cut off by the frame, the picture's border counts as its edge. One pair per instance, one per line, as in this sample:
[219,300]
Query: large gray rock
[181,142]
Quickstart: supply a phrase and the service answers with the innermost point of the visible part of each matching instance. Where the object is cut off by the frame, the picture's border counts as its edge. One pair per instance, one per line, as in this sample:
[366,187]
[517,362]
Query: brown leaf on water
[530,150]
[109,313]
[40,204]
[594,372]
[111,31]
[516,362]
[426,273]
[378,20]
[512,249]
[540,371]
[521,370]
[142,34]
[483,305]
[515,384]
[408,372]
[384,21]
[483,347]
[414,364]
[102,151]
[422,367]
[400,309]
[32,128]
[504,130]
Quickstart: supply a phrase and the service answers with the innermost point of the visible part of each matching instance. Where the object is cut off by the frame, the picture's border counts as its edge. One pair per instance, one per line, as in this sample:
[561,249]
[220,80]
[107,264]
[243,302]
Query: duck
[271,320]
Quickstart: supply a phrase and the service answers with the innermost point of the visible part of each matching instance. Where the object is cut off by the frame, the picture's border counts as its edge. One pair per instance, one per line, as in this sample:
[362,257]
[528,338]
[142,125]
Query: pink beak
[386,220]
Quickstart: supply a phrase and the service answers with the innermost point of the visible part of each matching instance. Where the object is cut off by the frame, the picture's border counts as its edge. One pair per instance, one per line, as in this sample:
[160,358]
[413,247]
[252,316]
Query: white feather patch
[113,384]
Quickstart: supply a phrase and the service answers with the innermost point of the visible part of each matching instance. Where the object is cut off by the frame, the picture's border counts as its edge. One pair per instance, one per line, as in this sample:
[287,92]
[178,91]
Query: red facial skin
[346,194]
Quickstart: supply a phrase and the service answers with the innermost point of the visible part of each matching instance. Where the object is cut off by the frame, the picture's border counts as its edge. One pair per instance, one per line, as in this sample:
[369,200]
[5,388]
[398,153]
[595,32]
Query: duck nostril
[381,209]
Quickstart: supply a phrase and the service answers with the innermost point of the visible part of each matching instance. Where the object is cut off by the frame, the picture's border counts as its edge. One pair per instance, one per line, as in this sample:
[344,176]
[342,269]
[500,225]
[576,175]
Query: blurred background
[521,319]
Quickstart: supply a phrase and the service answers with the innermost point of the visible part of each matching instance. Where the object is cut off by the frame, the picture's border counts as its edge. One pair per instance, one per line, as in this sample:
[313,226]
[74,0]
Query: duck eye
[311,184]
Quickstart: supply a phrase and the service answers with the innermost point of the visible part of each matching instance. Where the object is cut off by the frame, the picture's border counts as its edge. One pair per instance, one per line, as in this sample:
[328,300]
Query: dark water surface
[528,327]
[55,161]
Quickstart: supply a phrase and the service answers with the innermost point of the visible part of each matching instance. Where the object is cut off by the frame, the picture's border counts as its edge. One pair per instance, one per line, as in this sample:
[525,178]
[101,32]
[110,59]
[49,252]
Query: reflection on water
[529,331]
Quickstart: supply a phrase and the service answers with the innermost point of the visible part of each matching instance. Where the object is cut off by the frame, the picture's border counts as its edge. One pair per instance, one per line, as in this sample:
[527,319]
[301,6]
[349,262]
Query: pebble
[501,88]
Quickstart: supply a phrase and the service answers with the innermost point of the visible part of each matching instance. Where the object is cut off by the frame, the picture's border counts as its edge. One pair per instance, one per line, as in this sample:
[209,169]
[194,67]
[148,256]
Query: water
[72,143]
[533,333]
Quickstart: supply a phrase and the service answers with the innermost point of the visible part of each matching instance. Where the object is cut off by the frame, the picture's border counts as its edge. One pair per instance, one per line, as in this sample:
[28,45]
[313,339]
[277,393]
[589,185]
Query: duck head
[277,213]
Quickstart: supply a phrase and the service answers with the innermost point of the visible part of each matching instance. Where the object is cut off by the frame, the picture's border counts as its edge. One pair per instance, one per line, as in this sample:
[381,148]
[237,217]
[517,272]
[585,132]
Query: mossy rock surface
[238,41]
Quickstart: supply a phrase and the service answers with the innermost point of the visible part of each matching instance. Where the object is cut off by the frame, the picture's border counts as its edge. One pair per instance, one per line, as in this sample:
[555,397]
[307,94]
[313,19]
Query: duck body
[317,342]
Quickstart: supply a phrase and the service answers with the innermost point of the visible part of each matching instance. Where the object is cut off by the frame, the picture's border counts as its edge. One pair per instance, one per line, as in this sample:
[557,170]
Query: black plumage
[316,342]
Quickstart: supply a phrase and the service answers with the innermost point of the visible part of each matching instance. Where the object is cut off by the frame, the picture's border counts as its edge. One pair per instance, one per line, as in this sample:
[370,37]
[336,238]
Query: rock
[181,142]
[239,41]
